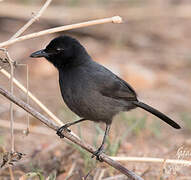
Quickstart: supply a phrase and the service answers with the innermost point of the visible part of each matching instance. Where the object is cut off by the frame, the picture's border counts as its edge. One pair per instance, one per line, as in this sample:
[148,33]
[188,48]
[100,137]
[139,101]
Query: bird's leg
[65,127]
[101,148]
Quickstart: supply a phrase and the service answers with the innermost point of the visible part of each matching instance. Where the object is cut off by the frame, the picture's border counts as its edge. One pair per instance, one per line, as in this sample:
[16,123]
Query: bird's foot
[97,153]
[64,127]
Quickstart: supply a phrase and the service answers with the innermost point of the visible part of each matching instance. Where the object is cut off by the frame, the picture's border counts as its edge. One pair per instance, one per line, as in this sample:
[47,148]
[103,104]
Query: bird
[89,89]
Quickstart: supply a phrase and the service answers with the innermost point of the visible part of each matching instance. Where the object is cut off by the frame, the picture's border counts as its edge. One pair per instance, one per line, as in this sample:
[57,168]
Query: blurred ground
[150,50]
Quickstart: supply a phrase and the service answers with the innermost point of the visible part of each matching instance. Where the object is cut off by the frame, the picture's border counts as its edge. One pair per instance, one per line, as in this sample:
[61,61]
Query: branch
[115,19]
[52,125]
[32,20]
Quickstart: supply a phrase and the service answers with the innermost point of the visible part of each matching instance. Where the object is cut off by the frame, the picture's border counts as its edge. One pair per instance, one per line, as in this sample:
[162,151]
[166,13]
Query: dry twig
[52,125]
[153,160]
[71,171]
[32,20]
[6,59]
[115,19]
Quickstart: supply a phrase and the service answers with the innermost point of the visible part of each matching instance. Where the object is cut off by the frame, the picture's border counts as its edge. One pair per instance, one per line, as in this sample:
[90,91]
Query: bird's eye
[59,49]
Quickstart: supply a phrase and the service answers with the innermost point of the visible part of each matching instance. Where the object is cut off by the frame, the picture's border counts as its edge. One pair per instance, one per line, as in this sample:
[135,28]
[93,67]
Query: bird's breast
[82,96]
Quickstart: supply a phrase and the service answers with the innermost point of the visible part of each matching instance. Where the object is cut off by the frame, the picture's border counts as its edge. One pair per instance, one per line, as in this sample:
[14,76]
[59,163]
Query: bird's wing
[113,86]
[119,89]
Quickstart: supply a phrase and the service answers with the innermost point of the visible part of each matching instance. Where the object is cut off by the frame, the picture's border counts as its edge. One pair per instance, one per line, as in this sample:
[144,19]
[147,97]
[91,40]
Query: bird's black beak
[38,54]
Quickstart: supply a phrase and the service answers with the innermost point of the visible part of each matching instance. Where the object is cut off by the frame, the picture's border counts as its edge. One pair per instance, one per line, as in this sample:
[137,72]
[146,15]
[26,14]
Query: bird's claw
[59,131]
[97,153]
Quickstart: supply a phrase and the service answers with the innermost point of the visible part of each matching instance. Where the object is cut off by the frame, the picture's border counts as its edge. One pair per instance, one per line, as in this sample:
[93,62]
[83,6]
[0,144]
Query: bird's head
[63,50]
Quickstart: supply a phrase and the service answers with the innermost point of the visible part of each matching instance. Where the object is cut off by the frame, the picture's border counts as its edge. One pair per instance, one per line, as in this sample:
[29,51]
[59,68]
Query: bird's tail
[157,113]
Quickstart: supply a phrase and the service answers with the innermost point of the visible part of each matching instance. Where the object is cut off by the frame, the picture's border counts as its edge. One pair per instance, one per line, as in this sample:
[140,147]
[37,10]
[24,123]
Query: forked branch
[32,20]
[115,19]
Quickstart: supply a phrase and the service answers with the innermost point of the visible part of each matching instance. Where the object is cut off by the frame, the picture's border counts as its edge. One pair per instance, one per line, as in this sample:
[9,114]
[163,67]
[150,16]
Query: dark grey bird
[89,89]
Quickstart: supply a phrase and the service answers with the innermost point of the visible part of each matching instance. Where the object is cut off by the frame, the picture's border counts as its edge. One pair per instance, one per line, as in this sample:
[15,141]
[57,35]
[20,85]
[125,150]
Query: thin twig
[101,174]
[115,19]
[71,171]
[11,111]
[154,160]
[11,173]
[145,171]
[27,94]
[31,21]
[26,131]
[52,125]
[18,33]
[161,170]
[119,177]
[10,61]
